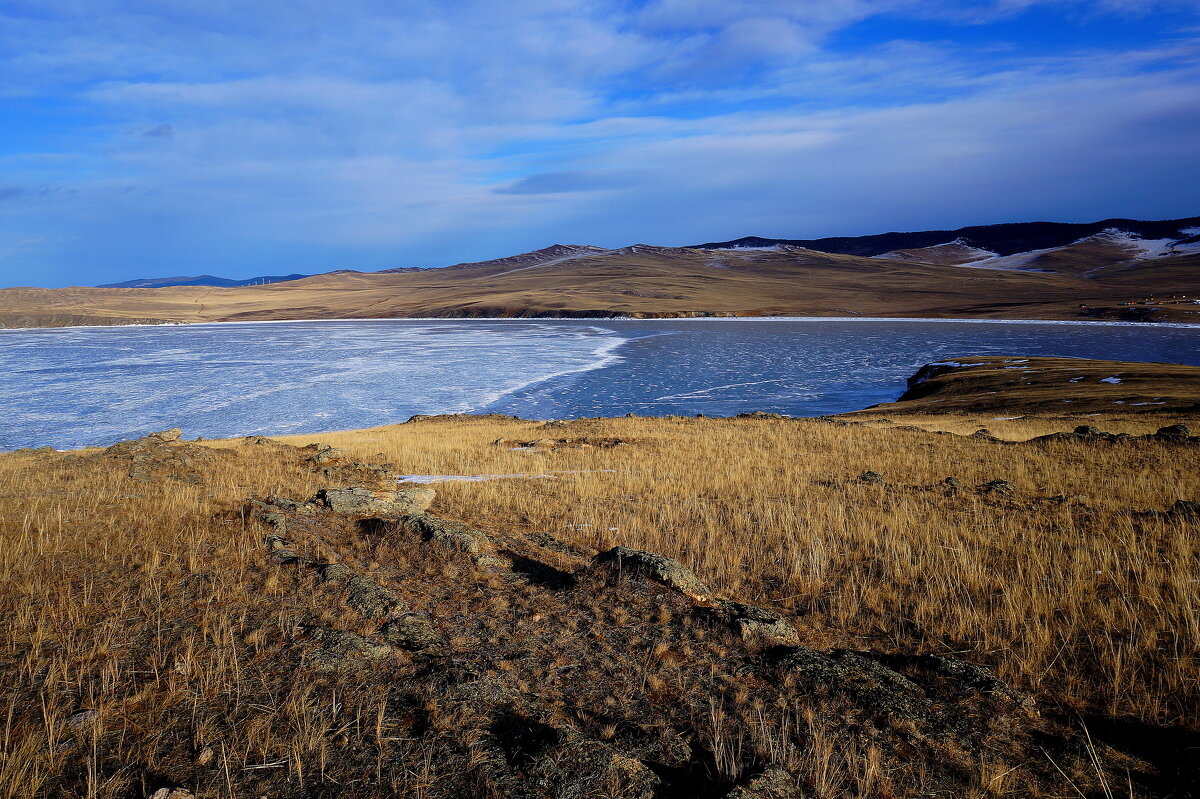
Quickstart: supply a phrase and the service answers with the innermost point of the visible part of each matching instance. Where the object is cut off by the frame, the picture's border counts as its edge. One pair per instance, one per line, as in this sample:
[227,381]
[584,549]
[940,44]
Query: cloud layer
[177,137]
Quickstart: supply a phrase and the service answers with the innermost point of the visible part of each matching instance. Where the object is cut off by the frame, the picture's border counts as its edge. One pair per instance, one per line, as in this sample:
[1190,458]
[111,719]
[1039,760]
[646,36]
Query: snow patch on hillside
[959,251]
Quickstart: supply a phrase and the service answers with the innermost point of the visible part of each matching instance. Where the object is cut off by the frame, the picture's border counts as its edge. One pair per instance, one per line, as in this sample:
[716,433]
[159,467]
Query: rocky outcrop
[162,455]
[552,688]
[363,594]
[757,626]
[340,650]
[404,500]
[453,535]
[1090,434]
[622,561]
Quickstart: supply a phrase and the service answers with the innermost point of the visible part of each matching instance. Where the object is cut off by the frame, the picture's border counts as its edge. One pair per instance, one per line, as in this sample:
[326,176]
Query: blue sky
[171,137]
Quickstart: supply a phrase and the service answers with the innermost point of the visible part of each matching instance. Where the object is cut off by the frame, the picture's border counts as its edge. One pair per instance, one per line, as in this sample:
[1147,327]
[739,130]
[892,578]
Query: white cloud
[223,137]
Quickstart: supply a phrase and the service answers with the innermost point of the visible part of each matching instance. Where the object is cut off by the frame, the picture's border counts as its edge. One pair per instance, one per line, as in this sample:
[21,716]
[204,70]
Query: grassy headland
[159,630]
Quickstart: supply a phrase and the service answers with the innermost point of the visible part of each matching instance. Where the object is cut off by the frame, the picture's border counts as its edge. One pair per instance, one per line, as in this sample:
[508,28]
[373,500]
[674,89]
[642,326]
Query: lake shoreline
[624,319]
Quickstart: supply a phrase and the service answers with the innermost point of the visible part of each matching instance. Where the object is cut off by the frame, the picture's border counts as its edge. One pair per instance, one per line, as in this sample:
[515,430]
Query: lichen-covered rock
[772,783]
[341,650]
[363,595]
[757,626]
[407,499]
[412,631]
[454,535]
[166,435]
[160,456]
[862,679]
[1174,431]
[870,477]
[996,487]
[323,453]
[651,566]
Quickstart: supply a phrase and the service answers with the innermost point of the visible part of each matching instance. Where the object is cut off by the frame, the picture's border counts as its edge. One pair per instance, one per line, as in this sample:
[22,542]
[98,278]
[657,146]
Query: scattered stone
[157,455]
[757,626]
[172,793]
[451,417]
[996,487]
[341,649]
[363,595]
[33,451]
[285,555]
[870,477]
[953,483]
[1174,431]
[761,415]
[407,499]
[412,631]
[651,566]
[1086,434]
[205,756]
[323,453]
[983,434]
[454,535]
[772,783]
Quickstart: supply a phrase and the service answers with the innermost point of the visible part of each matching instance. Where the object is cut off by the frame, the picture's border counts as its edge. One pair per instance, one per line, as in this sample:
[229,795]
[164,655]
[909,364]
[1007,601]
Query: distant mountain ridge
[1069,248]
[200,280]
[1004,239]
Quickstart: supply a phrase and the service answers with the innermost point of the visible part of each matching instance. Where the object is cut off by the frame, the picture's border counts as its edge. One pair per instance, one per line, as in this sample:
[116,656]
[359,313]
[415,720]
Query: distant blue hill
[199,280]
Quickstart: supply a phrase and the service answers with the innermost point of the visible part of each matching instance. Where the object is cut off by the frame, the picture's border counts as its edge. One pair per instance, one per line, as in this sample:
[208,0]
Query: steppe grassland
[1080,599]
[1086,603]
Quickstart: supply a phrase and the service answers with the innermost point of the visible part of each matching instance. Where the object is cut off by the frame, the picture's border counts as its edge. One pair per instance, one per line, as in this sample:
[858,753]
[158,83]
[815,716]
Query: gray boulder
[454,535]
[404,500]
[757,626]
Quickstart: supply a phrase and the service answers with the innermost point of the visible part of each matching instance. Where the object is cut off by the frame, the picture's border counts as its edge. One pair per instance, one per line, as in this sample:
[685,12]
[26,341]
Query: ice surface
[92,386]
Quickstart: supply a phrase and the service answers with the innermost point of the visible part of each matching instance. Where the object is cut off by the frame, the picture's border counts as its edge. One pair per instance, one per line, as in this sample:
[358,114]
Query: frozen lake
[92,386]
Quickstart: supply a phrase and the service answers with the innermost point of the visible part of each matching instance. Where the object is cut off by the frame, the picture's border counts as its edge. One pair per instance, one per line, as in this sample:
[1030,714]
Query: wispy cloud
[237,139]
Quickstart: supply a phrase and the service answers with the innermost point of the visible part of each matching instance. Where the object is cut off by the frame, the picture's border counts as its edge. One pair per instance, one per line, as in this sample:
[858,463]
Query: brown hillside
[633,281]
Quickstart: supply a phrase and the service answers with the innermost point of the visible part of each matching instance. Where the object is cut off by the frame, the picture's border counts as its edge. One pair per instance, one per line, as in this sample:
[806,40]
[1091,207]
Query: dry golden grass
[1080,600]
[151,602]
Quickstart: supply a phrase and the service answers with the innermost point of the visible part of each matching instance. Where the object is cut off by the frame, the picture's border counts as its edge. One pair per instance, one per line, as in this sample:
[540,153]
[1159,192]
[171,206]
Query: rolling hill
[1107,273]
